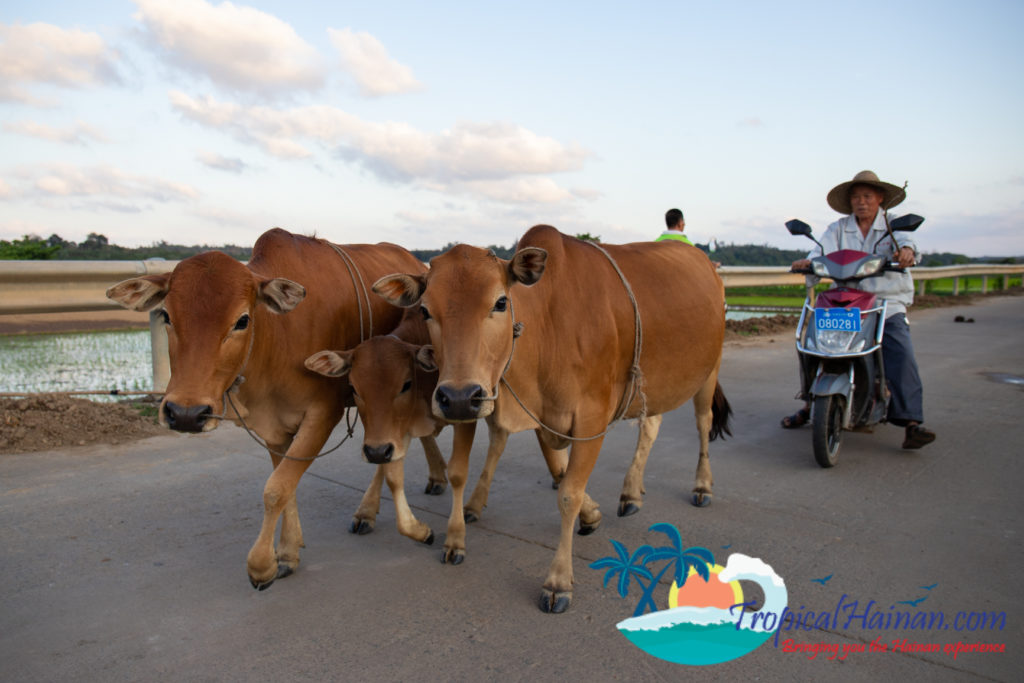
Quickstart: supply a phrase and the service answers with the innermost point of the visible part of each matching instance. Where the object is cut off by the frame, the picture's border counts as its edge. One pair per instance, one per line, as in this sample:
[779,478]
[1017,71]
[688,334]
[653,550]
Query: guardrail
[74,286]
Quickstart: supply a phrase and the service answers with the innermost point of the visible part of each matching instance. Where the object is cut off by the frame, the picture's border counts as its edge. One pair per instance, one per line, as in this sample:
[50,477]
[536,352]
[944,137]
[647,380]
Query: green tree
[28,248]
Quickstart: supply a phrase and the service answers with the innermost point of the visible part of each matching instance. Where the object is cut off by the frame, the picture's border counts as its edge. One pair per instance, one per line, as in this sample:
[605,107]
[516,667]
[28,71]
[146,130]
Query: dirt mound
[50,421]
[755,327]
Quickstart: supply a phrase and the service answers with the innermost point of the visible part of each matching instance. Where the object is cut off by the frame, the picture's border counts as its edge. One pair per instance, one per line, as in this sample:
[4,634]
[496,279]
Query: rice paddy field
[89,361]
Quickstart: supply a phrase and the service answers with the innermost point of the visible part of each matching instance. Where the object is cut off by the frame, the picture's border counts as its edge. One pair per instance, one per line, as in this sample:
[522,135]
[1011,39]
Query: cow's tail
[721,412]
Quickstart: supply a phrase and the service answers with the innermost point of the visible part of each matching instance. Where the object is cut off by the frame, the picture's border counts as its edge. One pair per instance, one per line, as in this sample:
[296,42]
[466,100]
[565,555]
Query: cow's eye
[243,322]
[425,312]
[406,386]
[163,316]
[501,304]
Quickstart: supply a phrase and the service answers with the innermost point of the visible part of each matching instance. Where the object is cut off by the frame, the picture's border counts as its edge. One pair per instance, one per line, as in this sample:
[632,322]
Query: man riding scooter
[865,200]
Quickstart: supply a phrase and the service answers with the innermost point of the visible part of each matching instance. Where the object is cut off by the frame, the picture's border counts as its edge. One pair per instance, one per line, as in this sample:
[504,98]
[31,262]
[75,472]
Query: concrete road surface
[127,563]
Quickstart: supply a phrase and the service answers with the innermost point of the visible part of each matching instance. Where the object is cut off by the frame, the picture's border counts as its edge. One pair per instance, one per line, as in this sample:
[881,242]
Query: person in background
[674,231]
[866,200]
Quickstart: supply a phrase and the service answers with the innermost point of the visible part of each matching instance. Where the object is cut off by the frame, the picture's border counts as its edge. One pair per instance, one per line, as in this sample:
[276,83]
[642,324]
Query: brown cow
[393,379]
[572,366]
[226,335]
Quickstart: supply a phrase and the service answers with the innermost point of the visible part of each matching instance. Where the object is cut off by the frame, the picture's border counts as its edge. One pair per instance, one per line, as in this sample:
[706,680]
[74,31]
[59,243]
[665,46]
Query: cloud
[103,186]
[751,122]
[238,48]
[368,61]
[79,134]
[221,163]
[5,189]
[469,157]
[46,54]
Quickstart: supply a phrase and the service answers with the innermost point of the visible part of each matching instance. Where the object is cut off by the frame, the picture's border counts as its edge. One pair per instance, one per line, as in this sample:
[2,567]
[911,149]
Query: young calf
[393,379]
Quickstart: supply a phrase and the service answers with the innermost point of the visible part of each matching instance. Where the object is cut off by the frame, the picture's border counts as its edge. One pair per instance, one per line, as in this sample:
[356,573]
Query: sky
[196,122]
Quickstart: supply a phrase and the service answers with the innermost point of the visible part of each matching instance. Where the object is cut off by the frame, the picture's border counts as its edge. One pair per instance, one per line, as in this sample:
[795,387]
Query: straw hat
[839,196]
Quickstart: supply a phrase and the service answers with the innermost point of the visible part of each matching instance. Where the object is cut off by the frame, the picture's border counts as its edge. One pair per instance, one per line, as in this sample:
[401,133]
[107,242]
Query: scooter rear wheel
[827,424]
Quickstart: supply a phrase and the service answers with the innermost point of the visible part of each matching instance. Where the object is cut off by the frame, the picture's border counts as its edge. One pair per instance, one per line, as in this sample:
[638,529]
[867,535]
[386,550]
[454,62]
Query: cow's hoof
[429,540]
[554,602]
[587,529]
[435,488]
[453,556]
[284,570]
[700,499]
[470,516]
[361,526]
[627,508]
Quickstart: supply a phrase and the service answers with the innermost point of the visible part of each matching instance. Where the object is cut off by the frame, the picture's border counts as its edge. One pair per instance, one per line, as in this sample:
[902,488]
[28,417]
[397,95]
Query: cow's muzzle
[186,418]
[378,455]
[460,403]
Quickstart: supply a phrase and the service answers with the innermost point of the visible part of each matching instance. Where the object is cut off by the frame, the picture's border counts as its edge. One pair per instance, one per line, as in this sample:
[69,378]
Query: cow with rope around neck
[607,332]
[238,335]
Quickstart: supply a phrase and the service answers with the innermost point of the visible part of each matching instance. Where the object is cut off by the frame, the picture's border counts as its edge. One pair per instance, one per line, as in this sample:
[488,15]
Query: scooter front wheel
[827,423]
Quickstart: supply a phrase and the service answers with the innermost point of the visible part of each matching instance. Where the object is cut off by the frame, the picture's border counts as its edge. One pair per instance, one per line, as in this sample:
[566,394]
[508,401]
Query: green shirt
[673,235]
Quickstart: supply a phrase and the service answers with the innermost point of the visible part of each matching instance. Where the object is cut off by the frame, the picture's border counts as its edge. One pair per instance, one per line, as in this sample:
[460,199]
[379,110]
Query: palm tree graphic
[634,567]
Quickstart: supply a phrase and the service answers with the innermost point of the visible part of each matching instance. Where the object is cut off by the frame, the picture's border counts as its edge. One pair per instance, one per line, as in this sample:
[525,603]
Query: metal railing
[76,286]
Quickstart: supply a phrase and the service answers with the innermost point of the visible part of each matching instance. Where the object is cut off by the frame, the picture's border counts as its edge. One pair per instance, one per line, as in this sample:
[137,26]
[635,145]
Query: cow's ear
[281,295]
[527,265]
[330,363]
[425,358]
[400,289]
[140,293]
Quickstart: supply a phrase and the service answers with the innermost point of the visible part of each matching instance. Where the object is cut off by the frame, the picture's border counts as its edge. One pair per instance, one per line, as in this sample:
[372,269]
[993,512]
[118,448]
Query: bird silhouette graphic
[928,588]
[823,580]
[912,603]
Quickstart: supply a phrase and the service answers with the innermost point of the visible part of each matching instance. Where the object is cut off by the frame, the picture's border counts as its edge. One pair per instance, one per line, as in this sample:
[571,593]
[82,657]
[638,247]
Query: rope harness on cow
[360,288]
[634,387]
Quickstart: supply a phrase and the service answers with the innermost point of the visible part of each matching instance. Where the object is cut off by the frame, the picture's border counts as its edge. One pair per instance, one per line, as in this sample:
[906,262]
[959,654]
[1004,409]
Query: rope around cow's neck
[357,285]
[633,388]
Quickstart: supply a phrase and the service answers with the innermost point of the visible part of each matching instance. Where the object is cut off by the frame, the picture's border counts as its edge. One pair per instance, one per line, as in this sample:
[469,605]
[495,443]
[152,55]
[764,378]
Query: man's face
[865,201]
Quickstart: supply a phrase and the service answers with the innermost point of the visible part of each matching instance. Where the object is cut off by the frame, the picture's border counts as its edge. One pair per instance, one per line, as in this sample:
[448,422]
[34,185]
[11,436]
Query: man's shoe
[918,436]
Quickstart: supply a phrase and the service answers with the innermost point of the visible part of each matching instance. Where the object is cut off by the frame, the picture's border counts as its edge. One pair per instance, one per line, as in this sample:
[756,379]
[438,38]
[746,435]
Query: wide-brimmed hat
[839,196]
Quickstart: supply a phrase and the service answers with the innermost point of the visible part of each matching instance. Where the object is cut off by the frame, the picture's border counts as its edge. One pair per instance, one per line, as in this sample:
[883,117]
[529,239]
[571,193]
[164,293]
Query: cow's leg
[264,565]
[702,402]
[408,525]
[458,467]
[365,518]
[632,498]
[557,590]
[290,525]
[495,447]
[437,482]
[557,459]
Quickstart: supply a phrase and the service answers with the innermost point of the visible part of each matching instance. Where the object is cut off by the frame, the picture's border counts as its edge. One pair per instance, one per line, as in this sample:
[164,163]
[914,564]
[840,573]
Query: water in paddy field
[91,361]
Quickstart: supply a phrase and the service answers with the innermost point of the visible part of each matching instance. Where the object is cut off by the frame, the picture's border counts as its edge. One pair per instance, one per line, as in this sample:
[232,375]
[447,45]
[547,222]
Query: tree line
[96,247]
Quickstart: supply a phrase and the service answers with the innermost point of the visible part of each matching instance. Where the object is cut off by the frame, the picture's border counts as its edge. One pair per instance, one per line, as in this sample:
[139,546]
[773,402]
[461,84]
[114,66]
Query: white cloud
[368,61]
[5,189]
[464,157]
[46,54]
[221,163]
[238,48]
[105,186]
[78,134]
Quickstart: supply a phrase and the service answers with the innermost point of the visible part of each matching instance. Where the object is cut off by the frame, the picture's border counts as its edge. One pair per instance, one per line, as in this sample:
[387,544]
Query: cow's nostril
[186,418]
[378,455]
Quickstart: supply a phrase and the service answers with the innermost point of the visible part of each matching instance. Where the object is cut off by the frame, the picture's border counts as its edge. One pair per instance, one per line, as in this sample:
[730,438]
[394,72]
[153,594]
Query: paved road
[127,562]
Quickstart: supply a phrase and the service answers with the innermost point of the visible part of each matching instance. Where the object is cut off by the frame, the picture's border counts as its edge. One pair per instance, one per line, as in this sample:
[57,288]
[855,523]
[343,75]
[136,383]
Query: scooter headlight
[870,267]
[839,341]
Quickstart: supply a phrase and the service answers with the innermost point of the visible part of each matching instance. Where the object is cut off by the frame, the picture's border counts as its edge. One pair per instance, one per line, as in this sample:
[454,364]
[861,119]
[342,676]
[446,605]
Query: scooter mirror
[907,223]
[797,227]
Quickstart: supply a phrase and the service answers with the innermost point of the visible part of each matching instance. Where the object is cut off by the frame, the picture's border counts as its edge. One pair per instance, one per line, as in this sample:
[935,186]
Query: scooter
[839,343]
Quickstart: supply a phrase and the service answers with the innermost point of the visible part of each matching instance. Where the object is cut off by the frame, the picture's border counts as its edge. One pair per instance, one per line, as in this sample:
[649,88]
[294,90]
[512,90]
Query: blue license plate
[844,319]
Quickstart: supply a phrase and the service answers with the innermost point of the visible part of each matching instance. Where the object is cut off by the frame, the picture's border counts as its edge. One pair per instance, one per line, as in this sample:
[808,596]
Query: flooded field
[91,361]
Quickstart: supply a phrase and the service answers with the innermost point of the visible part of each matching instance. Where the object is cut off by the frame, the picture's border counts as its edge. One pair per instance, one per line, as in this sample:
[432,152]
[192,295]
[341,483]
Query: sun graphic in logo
[696,592]
[703,623]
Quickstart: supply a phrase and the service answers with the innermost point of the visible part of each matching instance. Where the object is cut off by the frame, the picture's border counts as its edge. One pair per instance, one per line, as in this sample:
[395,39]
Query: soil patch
[50,421]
